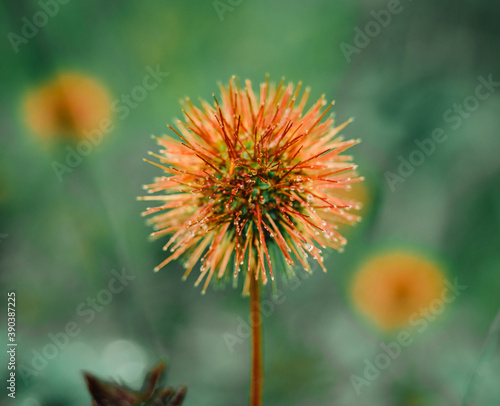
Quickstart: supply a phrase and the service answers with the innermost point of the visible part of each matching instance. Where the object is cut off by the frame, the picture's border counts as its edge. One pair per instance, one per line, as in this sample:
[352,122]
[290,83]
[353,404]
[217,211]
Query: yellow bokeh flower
[68,106]
[392,287]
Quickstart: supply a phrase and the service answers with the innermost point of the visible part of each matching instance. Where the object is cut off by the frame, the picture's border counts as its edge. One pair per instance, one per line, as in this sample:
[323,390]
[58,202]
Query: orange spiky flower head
[250,187]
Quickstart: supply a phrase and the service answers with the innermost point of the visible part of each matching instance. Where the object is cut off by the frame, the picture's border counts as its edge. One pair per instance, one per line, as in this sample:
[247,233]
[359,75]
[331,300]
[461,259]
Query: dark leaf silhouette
[152,393]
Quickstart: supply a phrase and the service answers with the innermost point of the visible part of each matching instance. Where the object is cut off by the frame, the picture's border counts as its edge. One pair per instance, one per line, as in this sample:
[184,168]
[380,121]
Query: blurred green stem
[256,322]
[490,345]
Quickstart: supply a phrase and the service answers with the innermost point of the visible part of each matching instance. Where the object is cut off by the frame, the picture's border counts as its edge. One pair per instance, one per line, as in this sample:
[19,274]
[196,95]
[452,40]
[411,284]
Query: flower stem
[256,322]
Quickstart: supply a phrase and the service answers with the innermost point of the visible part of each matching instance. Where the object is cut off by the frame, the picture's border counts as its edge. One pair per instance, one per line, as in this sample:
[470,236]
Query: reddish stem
[256,322]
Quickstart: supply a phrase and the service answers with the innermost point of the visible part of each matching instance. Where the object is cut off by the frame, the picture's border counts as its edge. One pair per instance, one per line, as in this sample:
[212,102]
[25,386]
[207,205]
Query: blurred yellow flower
[392,287]
[69,105]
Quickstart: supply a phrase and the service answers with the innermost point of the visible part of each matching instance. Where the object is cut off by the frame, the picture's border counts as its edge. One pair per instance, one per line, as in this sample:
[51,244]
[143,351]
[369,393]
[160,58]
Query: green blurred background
[62,239]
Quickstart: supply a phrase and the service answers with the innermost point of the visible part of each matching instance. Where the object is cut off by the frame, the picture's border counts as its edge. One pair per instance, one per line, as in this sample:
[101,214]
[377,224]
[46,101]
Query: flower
[252,180]
[110,393]
[69,105]
[392,287]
